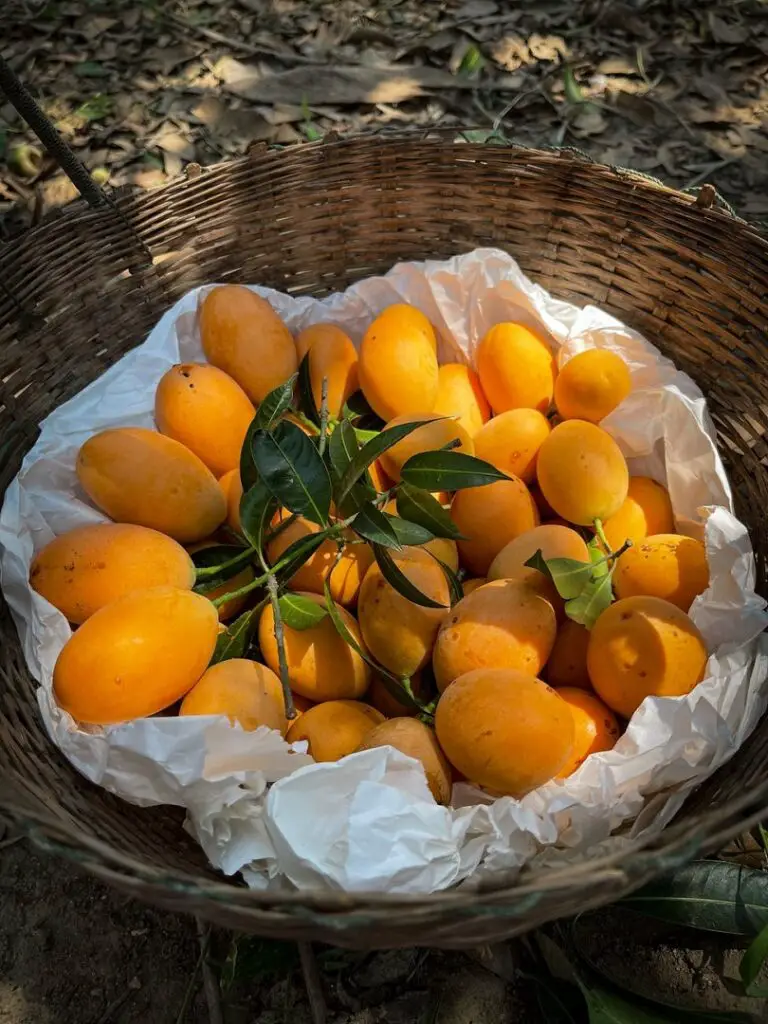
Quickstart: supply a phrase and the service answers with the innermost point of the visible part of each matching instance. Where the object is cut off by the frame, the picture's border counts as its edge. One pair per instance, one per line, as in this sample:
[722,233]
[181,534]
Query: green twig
[213,570]
[290,711]
[598,524]
[323,416]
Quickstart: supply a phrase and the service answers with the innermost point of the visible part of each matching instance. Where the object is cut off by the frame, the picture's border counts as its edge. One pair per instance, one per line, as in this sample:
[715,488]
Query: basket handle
[20,98]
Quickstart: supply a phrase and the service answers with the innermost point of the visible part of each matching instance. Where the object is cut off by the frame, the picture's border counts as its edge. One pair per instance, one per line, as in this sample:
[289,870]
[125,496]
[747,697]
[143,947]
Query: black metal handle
[22,100]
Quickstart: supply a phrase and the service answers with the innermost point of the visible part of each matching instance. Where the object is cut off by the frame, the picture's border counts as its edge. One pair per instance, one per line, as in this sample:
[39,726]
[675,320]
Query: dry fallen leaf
[343,85]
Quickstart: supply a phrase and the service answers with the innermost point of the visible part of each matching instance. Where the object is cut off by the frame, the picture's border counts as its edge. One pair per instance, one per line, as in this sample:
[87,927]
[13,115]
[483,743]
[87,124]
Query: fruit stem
[323,416]
[213,570]
[305,421]
[290,710]
[598,524]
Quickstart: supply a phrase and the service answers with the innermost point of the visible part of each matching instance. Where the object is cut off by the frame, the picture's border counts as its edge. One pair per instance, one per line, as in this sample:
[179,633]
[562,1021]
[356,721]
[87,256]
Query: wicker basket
[86,287]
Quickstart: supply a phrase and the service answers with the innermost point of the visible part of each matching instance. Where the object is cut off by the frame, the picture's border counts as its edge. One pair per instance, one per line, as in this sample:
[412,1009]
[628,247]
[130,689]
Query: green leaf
[471,63]
[454,583]
[342,449]
[210,577]
[217,554]
[300,612]
[234,641]
[596,596]
[296,554]
[419,506]
[370,451]
[294,471]
[357,405]
[573,92]
[396,578]
[711,895]
[373,525]
[600,566]
[248,473]
[97,108]
[449,471]
[275,405]
[409,534]
[751,965]
[306,394]
[607,1005]
[399,688]
[569,575]
[257,507]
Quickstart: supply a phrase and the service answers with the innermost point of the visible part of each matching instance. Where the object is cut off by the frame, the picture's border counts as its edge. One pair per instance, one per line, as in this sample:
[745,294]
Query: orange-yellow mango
[582,472]
[398,363]
[511,442]
[504,624]
[398,633]
[140,476]
[505,730]
[321,665]
[88,567]
[247,692]
[243,335]
[135,656]
[645,511]
[432,436]
[335,728]
[460,394]
[595,726]
[415,739]
[644,647]
[203,408]
[347,577]
[591,385]
[489,518]
[668,565]
[516,368]
[333,356]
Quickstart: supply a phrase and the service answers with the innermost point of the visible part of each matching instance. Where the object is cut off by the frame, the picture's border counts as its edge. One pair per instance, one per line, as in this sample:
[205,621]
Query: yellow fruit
[204,409]
[490,517]
[347,576]
[591,384]
[460,394]
[595,727]
[554,542]
[567,665]
[668,565]
[516,368]
[646,510]
[471,585]
[332,356]
[321,665]
[90,566]
[644,647]
[232,489]
[511,442]
[335,728]
[398,363]
[433,435]
[582,473]
[384,700]
[398,633]
[504,624]
[414,739]
[504,730]
[142,477]
[135,656]
[243,335]
[229,609]
[245,691]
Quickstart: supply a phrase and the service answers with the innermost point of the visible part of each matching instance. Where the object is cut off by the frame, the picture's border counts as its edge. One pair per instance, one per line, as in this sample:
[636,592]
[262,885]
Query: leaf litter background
[140,89]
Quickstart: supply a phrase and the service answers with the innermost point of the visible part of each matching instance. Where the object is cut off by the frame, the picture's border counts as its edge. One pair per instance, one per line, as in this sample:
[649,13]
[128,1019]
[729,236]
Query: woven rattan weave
[85,287]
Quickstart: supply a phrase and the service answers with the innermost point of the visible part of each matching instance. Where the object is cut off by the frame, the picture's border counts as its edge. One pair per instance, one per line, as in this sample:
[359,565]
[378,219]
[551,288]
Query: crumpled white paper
[368,822]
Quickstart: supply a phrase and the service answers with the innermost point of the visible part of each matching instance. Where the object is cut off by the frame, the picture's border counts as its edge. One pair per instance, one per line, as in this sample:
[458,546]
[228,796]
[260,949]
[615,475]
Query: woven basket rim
[675,844]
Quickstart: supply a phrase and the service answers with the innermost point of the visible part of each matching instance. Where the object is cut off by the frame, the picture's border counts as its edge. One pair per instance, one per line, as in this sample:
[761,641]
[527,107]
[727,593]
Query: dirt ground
[140,89]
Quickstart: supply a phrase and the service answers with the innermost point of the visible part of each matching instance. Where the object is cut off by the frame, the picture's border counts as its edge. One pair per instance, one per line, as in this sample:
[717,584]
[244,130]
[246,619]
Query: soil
[140,91]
